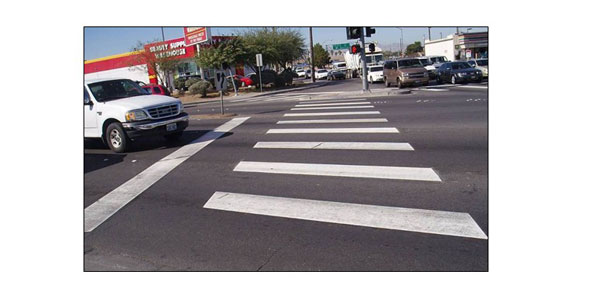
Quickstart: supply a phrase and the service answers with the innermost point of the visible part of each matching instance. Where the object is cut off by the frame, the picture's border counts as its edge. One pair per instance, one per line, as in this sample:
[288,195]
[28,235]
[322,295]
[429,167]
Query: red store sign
[195,35]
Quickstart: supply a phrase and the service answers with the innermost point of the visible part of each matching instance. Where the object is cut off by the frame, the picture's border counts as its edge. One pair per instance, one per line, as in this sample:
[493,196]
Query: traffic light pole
[363,58]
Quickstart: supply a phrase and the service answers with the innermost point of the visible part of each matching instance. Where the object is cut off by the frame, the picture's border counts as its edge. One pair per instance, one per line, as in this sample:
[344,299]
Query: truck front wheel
[116,138]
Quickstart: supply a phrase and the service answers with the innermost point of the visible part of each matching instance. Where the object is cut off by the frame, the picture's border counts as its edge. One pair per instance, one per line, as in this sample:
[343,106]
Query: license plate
[171,127]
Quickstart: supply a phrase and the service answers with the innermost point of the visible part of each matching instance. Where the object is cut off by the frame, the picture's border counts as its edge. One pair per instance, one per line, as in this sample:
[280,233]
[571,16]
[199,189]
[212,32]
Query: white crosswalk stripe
[344,113]
[361,171]
[330,104]
[317,121]
[332,107]
[335,145]
[385,217]
[335,130]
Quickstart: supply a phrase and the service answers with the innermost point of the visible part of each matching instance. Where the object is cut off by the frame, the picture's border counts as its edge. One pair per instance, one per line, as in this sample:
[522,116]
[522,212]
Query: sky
[105,41]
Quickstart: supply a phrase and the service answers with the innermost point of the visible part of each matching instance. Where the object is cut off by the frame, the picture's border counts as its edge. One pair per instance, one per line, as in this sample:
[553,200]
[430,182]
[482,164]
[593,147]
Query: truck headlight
[136,115]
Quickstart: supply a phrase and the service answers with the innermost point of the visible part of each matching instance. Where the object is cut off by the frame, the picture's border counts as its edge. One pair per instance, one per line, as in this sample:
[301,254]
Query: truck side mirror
[87,101]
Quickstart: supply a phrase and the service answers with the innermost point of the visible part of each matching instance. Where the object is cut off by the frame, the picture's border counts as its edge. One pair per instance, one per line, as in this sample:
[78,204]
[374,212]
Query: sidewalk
[256,94]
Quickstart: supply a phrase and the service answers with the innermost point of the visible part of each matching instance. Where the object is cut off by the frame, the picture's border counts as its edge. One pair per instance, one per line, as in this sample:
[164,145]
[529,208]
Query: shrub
[268,76]
[287,76]
[200,87]
[180,83]
[191,81]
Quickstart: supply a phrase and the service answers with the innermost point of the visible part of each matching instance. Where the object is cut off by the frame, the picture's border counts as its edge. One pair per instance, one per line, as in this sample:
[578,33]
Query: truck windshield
[440,59]
[341,65]
[409,63]
[115,89]
[375,69]
[424,61]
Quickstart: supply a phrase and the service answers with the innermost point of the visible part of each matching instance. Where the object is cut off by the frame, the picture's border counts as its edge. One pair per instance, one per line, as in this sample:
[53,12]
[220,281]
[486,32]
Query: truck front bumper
[152,127]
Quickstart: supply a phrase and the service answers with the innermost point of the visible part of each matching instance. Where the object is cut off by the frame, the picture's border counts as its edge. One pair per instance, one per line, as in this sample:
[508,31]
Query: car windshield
[115,89]
[375,69]
[460,66]
[425,61]
[341,65]
[482,62]
[322,71]
[408,63]
[440,59]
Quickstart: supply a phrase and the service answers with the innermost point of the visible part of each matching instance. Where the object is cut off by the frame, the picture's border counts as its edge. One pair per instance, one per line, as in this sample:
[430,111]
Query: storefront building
[134,65]
[459,46]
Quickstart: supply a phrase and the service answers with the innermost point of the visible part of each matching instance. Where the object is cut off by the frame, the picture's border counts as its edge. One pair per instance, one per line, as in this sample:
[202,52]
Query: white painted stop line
[333,107]
[112,202]
[335,145]
[342,113]
[334,130]
[361,171]
[330,104]
[376,120]
[449,223]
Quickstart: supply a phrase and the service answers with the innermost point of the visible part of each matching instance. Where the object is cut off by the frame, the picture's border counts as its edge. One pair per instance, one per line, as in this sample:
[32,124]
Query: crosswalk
[459,224]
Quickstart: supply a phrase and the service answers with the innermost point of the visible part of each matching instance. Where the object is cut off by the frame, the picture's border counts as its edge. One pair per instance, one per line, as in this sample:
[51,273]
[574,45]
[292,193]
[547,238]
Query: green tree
[321,56]
[162,66]
[278,47]
[229,52]
[414,48]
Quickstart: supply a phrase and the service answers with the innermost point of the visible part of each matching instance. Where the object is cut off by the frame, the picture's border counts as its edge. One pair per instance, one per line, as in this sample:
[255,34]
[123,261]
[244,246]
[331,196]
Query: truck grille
[416,75]
[163,111]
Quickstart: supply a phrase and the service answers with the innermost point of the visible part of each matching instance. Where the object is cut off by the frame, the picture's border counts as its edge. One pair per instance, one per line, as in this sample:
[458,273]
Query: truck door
[90,116]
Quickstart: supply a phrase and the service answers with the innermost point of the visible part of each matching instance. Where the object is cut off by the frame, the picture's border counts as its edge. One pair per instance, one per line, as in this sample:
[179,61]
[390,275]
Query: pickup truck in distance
[119,111]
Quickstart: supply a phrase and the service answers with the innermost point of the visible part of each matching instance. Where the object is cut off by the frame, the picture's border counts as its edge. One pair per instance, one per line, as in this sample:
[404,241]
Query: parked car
[245,80]
[336,74]
[432,63]
[480,64]
[375,74]
[119,111]
[403,72]
[321,74]
[457,72]
[140,83]
[301,72]
[308,73]
[156,89]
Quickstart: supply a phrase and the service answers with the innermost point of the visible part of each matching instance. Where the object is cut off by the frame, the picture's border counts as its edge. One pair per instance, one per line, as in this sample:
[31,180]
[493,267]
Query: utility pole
[363,57]
[312,57]
[429,30]
[401,43]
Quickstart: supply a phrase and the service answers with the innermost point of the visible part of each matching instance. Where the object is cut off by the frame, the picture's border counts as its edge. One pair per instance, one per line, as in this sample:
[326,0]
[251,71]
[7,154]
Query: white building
[459,46]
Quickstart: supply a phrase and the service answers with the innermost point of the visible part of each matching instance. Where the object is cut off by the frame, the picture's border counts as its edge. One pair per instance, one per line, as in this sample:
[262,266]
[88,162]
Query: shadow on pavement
[93,161]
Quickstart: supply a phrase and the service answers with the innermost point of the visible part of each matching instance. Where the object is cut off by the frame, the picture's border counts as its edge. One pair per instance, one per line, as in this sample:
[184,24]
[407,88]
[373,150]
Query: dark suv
[457,72]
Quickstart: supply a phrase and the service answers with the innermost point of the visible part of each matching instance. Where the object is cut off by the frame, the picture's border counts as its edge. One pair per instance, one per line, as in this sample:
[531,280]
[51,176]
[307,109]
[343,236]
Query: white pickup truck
[119,111]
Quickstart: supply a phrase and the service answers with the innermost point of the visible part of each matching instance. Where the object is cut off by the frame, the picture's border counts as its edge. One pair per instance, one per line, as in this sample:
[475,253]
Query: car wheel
[174,136]
[370,80]
[453,79]
[116,138]
[387,84]
[399,83]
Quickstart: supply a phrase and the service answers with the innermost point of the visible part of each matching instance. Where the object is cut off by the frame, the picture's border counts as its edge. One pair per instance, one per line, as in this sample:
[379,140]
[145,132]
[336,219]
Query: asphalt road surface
[411,193]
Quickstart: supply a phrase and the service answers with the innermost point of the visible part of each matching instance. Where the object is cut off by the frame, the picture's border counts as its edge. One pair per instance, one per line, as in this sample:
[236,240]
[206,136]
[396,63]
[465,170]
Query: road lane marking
[361,171]
[335,130]
[314,101]
[332,113]
[333,107]
[335,145]
[112,202]
[449,223]
[471,86]
[329,104]
[377,120]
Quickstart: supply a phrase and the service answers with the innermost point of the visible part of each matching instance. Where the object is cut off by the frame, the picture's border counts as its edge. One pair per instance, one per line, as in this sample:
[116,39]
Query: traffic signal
[371,47]
[369,31]
[355,49]
[353,32]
